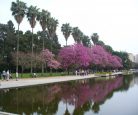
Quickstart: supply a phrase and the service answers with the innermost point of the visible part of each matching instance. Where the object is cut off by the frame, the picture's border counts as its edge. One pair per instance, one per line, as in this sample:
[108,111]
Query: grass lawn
[28,75]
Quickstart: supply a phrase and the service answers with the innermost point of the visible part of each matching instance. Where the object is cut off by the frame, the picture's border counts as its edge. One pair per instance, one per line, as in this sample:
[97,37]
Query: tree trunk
[66,42]
[42,56]
[32,53]
[17,57]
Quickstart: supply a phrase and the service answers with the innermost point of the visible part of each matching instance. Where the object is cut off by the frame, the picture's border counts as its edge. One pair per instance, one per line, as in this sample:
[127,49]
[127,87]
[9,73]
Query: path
[36,81]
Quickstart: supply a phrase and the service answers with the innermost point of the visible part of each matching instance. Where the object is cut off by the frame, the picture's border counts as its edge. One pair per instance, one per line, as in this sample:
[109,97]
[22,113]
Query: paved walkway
[12,83]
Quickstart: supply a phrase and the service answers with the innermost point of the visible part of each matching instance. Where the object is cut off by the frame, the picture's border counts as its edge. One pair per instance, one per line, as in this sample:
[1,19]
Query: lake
[98,96]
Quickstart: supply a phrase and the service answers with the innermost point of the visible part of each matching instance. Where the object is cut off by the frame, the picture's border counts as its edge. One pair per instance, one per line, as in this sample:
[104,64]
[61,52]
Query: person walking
[4,74]
[7,75]
[16,76]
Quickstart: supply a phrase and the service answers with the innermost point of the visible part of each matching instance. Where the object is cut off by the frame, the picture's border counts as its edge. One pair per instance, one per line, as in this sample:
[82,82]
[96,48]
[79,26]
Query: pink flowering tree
[47,57]
[75,56]
[103,59]
[98,56]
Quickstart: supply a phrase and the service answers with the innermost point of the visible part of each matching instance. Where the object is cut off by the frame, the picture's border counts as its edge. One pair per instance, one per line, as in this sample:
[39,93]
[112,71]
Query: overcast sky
[116,21]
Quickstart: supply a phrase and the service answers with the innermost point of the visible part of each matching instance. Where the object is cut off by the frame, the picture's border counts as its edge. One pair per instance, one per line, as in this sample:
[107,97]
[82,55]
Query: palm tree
[95,38]
[66,29]
[18,9]
[86,41]
[43,17]
[51,28]
[76,33]
[32,13]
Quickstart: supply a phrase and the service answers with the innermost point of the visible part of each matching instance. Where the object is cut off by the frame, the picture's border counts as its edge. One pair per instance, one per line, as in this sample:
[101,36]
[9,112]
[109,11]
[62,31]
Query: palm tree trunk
[17,57]
[43,49]
[32,53]
[51,51]
[66,42]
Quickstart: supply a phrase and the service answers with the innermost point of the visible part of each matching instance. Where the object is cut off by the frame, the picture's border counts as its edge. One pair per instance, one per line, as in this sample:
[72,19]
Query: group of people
[5,75]
[82,72]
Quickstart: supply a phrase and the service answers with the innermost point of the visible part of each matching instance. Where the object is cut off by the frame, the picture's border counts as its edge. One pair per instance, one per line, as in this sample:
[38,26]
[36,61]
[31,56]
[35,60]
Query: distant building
[131,57]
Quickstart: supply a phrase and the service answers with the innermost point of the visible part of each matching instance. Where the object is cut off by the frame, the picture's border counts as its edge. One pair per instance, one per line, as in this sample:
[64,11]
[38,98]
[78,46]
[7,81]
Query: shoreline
[12,83]
[25,82]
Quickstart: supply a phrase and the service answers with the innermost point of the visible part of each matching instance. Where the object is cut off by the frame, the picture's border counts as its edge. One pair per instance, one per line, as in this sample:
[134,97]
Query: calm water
[114,96]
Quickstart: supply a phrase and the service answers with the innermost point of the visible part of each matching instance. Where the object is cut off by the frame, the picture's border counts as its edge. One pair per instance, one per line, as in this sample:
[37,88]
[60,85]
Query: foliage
[76,33]
[66,29]
[127,64]
[74,56]
[95,38]
[18,9]
[79,56]
[86,41]
[48,58]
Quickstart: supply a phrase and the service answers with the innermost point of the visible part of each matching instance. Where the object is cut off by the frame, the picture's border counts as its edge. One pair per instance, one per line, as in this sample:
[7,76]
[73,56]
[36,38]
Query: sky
[115,21]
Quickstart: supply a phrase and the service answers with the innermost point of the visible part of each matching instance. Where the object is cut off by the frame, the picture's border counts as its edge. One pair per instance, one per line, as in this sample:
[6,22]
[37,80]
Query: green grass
[28,75]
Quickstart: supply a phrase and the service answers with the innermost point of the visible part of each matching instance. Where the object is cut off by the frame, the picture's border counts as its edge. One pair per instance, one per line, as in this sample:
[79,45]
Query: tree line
[16,43]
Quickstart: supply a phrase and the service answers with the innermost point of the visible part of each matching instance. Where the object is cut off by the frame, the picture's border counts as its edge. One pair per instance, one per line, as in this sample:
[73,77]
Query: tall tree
[86,41]
[18,9]
[76,33]
[66,29]
[43,17]
[32,13]
[95,38]
[51,27]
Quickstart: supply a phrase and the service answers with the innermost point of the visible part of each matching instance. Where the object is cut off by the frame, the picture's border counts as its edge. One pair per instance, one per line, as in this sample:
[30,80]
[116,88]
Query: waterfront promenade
[12,83]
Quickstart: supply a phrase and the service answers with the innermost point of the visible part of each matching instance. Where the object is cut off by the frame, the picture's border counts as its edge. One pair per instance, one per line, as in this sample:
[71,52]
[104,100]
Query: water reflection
[82,96]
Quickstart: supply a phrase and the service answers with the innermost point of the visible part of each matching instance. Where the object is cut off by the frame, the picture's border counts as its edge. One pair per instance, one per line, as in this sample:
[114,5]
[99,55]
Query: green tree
[95,38]
[43,17]
[86,41]
[7,44]
[127,64]
[32,13]
[51,28]
[108,48]
[66,29]
[76,33]
[18,9]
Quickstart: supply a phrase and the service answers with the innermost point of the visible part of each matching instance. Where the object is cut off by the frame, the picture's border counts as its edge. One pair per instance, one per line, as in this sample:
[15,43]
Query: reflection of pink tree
[83,92]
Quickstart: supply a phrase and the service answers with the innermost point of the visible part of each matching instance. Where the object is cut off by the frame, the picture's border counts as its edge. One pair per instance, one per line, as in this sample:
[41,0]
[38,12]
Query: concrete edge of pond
[46,80]
[5,113]
[39,81]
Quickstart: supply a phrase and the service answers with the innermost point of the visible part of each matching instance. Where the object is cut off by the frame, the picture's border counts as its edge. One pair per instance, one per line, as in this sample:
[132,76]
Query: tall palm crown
[52,26]
[43,17]
[66,29]
[86,41]
[18,10]
[32,13]
[95,38]
[76,33]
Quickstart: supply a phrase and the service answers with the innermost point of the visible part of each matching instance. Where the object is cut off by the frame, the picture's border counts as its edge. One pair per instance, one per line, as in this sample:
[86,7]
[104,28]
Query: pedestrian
[16,76]
[4,74]
[7,75]
[76,72]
